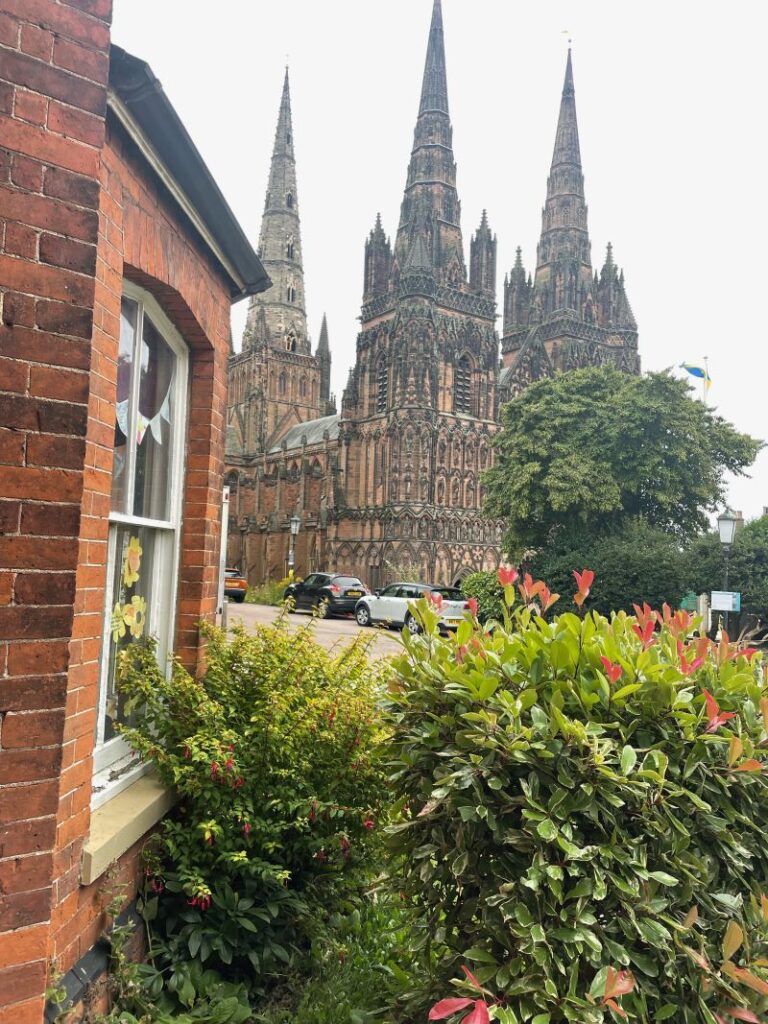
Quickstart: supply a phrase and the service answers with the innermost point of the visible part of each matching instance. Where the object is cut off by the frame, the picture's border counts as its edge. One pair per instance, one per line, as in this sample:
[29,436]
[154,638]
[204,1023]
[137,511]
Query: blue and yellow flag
[698,371]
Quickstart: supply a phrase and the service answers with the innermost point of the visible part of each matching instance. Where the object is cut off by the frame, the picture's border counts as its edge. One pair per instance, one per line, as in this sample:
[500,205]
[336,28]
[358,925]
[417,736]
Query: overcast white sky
[671,105]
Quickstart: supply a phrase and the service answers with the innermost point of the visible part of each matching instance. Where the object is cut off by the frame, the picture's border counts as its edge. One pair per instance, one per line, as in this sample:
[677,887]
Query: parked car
[390,605]
[235,585]
[327,593]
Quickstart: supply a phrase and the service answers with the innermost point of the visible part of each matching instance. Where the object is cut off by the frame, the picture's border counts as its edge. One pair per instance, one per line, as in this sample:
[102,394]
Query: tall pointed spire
[429,234]
[280,246]
[434,89]
[563,255]
[323,356]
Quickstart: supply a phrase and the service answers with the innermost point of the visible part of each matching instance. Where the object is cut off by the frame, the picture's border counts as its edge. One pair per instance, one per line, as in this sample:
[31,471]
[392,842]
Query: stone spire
[280,249]
[429,235]
[378,262]
[323,356]
[564,249]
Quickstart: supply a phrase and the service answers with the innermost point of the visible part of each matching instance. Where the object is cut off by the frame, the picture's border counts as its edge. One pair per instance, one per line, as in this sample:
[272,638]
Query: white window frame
[115,764]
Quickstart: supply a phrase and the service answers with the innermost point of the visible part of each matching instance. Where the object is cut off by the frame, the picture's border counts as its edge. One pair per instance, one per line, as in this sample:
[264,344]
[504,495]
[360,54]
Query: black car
[327,593]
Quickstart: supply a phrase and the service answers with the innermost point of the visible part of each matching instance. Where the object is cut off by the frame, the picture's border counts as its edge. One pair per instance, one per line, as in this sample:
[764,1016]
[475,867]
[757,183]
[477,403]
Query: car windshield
[231,572]
[449,593]
[347,581]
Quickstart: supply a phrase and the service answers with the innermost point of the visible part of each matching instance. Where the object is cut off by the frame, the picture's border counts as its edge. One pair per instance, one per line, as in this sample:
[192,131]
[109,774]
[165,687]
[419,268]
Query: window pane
[133,596]
[128,316]
[154,426]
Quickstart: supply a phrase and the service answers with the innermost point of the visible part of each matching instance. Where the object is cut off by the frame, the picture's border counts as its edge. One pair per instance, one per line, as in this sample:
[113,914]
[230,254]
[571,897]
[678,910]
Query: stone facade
[395,480]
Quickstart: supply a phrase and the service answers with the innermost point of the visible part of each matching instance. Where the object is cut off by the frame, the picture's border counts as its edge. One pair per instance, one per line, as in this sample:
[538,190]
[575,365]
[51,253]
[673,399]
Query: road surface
[329,632]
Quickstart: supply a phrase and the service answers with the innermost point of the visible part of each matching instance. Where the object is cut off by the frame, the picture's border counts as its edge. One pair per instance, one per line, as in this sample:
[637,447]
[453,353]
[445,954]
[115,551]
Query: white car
[390,605]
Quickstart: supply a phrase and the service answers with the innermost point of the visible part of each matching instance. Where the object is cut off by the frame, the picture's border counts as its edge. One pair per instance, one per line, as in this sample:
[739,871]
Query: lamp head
[295,524]
[726,527]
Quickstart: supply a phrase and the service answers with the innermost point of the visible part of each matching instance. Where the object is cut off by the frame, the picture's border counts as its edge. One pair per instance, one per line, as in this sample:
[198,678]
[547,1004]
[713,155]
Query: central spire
[434,89]
[429,235]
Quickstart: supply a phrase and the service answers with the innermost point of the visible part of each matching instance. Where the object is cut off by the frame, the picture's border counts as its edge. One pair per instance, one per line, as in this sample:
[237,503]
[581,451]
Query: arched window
[289,249]
[462,386]
[289,200]
[281,384]
[291,293]
[290,342]
[303,387]
[382,386]
[288,138]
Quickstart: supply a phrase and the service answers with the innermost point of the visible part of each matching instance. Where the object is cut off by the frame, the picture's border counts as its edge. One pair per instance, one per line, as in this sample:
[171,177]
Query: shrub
[488,592]
[635,564]
[273,753]
[270,592]
[583,809]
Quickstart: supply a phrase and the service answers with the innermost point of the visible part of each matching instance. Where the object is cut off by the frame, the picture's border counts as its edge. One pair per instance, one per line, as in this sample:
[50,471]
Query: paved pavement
[329,632]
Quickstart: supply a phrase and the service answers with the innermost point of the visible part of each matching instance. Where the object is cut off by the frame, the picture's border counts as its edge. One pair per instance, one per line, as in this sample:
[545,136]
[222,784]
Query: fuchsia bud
[214,769]
[369,823]
[247,827]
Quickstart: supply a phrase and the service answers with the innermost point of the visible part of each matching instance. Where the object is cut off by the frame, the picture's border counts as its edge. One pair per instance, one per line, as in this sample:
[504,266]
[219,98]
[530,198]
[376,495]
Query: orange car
[235,585]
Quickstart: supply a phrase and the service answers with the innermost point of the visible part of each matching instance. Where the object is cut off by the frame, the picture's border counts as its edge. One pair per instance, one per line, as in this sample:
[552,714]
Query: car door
[302,589]
[412,592]
[313,593]
[381,604]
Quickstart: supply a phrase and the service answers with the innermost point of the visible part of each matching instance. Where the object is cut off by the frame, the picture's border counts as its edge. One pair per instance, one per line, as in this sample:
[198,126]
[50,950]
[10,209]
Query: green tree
[747,569]
[638,563]
[590,449]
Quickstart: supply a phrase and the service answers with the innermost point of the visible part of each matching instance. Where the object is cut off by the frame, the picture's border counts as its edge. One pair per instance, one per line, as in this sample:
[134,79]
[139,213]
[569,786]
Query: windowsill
[122,821]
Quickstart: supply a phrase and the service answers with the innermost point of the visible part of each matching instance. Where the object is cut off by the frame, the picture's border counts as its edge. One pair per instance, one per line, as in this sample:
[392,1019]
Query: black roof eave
[141,104]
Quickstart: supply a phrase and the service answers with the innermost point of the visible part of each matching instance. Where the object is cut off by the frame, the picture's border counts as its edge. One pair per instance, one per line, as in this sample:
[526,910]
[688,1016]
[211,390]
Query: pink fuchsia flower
[204,902]
[209,839]
[247,828]
[715,716]
[187,753]
[507,575]
[157,886]
[239,781]
[214,769]
[472,605]
[612,671]
[369,824]
[345,844]
[584,581]
[321,856]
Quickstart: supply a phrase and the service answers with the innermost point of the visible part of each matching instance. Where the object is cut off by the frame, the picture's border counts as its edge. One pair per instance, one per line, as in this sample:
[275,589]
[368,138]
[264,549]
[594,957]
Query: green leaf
[663,878]
[666,1011]
[628,760]
[547,829]
[481,956]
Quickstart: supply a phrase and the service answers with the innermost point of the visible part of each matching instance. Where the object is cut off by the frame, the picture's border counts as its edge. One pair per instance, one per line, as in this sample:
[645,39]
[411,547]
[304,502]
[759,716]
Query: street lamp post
[295,527]
[726,527]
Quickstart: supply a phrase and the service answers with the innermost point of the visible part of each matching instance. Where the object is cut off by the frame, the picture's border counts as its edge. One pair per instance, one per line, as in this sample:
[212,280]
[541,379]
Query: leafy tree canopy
[587,450]
[635,564]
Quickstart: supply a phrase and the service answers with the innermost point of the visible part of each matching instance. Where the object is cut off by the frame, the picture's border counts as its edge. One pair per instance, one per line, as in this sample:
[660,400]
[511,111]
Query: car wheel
[412,625]
[240,598]
[322,609]
[363,615]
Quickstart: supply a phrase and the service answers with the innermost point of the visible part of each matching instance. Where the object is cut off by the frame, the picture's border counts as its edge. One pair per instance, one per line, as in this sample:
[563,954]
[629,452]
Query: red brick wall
[53,70]
[79,215]
[141,238]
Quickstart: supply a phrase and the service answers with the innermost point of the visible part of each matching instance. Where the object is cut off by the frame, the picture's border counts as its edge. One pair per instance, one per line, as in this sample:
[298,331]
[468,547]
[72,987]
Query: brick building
[396,478]
[119,260]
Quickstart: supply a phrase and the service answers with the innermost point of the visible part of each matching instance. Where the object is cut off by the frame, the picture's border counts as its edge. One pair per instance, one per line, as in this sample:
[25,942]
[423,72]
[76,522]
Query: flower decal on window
[132,562]
[135,616]
[117,623]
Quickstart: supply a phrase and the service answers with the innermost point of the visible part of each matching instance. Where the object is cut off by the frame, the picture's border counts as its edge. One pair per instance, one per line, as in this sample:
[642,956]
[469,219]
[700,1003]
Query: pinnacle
[434,90]
[609,255]
[519,258]
[567,138]
[322,344]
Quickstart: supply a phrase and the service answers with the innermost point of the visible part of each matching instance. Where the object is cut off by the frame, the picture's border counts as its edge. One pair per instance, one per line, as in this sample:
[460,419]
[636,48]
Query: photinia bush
[273,752]
[583,813]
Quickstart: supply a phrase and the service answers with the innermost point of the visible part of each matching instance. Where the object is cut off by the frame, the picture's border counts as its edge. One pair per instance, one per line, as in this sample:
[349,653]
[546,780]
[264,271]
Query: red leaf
[472,979]
[750,765]
[479,1015]
[447,1007]
[739,1014]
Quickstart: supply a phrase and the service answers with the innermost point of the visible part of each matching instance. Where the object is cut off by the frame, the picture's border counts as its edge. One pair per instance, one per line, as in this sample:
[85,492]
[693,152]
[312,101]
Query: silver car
[390,605]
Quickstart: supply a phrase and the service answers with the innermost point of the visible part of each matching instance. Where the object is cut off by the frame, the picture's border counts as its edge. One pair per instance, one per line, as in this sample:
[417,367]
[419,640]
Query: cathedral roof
[309,432]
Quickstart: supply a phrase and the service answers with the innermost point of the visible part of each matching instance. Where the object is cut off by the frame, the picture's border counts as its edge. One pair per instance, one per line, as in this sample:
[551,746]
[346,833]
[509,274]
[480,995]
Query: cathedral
[393,481]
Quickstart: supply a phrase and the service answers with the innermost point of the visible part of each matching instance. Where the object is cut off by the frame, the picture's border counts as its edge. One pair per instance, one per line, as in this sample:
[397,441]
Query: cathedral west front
[393,480]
